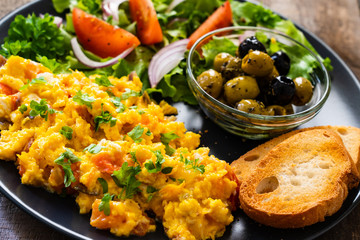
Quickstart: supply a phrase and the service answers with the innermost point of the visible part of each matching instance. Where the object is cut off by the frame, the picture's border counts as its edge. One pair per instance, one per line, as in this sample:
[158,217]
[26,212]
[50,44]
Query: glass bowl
[249,125]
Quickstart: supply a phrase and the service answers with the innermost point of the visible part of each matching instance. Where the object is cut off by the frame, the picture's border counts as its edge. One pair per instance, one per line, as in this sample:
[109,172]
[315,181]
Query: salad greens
[28,36]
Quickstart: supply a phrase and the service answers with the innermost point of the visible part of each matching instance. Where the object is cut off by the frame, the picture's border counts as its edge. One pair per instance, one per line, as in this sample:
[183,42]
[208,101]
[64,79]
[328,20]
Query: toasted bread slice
[300,181]
[350,136]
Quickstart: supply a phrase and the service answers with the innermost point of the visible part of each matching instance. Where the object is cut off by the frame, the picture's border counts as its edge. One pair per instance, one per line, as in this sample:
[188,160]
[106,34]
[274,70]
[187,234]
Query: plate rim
[70,233]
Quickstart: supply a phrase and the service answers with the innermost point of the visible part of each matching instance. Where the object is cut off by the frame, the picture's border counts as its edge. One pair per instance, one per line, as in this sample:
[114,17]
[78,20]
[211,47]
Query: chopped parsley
[192,164]
[130,93]
[83,99]
[151,191]
[104,184]
[103,81]
[105,203]
[157,167]
[136,134]
[148,133]
[67,132]
[39,80]
[125,178]
[23,108]
[66,165]
[105,117]
[165,138]
[133,157]
[41,108]
[117,103]
[93,148]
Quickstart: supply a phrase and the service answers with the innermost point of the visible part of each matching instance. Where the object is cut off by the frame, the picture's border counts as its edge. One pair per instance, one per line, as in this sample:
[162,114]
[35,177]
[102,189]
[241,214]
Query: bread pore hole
[252,158]
[324,165]
[342,131]
[267,185]
[295,182]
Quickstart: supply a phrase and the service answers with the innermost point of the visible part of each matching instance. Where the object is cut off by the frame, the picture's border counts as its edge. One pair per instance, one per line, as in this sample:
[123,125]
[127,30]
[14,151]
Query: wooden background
[336,22]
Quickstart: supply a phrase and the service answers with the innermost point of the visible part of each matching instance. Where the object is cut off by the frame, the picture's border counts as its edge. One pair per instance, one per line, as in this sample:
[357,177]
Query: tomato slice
[222,17]
[148,26]
[5,89]
[100,37]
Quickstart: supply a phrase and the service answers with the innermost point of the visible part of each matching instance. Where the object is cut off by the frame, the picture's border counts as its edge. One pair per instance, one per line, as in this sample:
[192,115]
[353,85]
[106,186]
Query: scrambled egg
[120,154]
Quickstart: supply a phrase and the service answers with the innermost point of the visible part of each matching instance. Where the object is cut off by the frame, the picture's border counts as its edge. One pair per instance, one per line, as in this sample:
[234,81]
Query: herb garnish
[104,184]
[105,203]
[125,178]
[192,164]
[157,167]
[136,134]
[105,117]
[39,80]
[71,158]
[83,99]
[93,148]
[40,108]
[67,132]
[165,138]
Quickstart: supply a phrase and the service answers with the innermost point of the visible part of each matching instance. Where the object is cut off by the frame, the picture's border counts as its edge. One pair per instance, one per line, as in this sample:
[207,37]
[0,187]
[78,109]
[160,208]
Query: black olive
[281,91]
[250,43]
[281,62]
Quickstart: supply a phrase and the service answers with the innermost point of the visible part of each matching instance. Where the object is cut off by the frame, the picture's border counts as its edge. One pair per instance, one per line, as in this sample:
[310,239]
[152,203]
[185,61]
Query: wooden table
[336,22]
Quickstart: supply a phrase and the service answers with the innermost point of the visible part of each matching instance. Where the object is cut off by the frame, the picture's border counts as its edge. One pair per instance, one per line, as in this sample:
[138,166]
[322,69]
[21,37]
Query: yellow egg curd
[104,141]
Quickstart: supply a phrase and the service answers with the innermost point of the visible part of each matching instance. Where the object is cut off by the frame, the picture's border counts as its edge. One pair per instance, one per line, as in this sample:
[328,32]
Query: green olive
[231,68]
[257,63]
[276,110]
[289,109]
[241,88]
[211,82]
[250,106]
[303,91]
[220,60]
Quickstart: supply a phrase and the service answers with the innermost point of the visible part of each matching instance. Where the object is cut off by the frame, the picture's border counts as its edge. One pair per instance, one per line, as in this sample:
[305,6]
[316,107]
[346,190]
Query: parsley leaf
[154,168]
[136,134]
[41,108]
[103,81]
[36,36]
[105,203]
[129,93]
[192,164]
[71,158]
[165,138]
[39,80]
[125,178]
[105,117]
[67,132]
[151,190]
[23,108]
[117,103]
[104,184]
[93,148]
[133,157]
[83,99]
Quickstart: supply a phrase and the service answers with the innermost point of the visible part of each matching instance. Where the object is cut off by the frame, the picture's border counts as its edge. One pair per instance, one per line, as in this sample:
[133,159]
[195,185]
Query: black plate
[342,108]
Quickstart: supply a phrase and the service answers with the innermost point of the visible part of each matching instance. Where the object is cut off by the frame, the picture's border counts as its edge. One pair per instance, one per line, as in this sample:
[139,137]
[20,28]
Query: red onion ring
[79,54]
[111,8]
[165,60]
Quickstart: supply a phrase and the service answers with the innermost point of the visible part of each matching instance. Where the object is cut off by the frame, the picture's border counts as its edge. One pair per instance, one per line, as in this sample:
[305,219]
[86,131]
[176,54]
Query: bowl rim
[313,109]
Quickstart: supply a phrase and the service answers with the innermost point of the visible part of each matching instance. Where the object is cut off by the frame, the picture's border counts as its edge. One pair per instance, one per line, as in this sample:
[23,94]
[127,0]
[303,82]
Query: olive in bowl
[256,111]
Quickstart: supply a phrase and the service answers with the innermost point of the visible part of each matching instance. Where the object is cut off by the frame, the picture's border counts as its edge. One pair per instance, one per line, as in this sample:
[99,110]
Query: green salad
[27,37]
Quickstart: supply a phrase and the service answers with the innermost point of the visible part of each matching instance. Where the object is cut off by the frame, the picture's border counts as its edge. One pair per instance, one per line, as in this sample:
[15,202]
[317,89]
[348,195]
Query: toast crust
[313,171]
